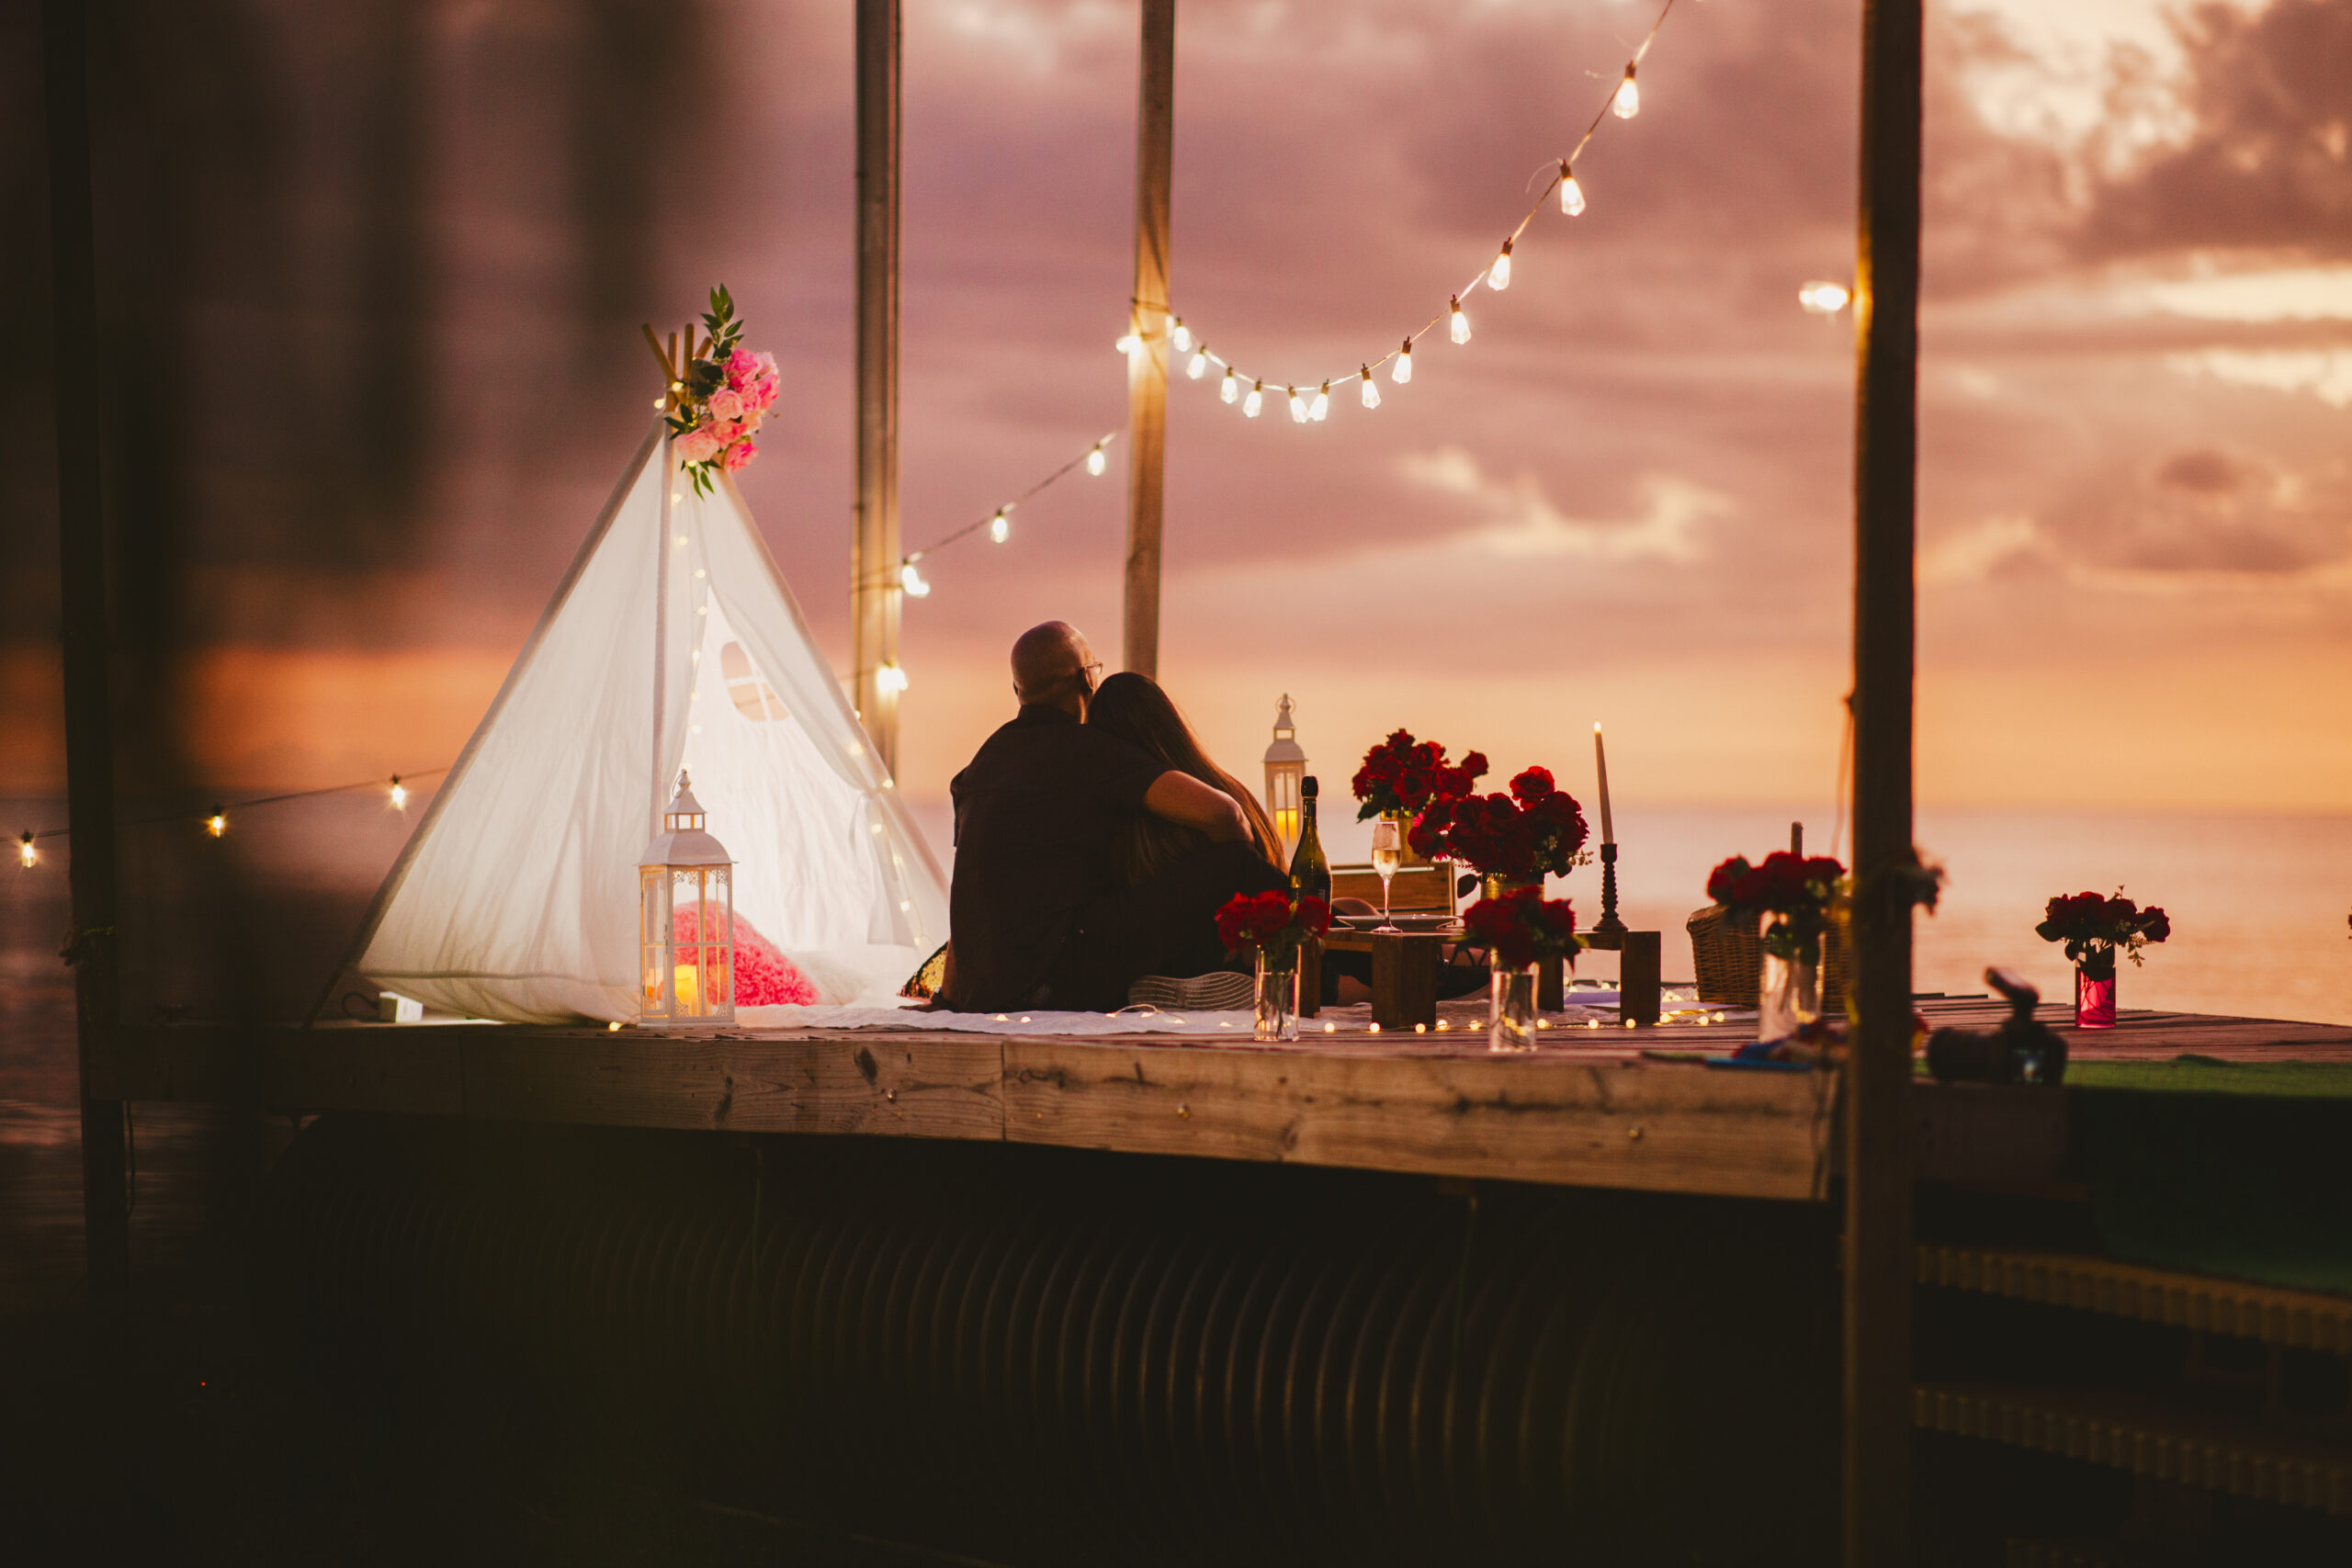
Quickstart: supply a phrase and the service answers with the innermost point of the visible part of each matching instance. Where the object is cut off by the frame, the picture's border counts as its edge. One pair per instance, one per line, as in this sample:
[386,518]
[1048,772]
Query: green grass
[2206,1075]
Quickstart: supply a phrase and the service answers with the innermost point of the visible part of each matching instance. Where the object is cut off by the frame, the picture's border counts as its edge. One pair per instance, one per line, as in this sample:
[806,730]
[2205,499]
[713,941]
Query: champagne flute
[1387,854]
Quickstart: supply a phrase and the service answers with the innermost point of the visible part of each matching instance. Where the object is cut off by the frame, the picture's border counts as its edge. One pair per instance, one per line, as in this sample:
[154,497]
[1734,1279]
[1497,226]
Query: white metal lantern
[1285,766]
[685,923]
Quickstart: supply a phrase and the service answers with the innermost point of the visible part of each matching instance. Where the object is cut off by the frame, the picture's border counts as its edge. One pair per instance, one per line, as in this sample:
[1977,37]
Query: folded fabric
[763,976]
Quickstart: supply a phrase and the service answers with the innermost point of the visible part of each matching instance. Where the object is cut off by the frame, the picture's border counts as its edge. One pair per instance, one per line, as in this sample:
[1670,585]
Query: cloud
[2285,294]
[1973,554]
[2326,374]
[1524,521]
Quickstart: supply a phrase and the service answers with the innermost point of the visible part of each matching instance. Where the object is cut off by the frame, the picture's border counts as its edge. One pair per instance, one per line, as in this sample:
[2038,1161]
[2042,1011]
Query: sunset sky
[1625,501]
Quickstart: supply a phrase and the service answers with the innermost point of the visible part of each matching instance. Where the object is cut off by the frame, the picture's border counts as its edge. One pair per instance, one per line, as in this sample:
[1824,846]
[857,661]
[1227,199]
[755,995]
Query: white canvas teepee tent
[673,641]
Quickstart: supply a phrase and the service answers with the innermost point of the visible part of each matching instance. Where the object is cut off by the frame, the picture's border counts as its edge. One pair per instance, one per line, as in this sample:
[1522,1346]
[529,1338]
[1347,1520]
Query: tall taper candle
[1601,762]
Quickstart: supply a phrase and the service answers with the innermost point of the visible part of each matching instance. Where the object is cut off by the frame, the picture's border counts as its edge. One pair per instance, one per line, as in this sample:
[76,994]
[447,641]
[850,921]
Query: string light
[891,678]
[1177,337]
[1001,527]
[1096,462]
[1200,365]
[1628,101]
[1371,389]
[1623,100]
[1127,344]
[1320,410]
[1821,298]
[1255,400]
[27,856]
[1297,406]
[217,823]
[399,794]
[912,582]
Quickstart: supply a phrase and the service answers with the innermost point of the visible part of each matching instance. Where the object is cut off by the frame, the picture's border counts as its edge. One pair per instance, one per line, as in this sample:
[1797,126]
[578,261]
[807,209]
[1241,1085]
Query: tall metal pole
[875,600]
[1878,1246]
[82,590]
[1148,364]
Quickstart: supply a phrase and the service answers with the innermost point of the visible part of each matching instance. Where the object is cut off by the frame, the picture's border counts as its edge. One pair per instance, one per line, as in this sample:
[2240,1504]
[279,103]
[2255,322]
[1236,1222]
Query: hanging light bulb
[27,856]
[1823,298]
[399,794]
[1461,323]
[661,403]
[1200,365]
[1571,193]
[217,823]
[1297,406]
[1255,400]
[1179,336]
[1321,407]
[999,526]
[1371,389]
[912,580]
[1128,343]
[1095,461]
[1498,275]
[891,678]
[1228,389]
[1404,371]
[1628,101]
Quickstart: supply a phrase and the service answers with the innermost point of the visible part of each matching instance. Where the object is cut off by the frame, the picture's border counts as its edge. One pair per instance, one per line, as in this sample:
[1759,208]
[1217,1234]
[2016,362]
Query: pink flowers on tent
[763,976]
[722,400]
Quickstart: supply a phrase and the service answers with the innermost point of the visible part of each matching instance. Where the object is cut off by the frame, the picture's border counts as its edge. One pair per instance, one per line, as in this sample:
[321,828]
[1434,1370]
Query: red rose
[2155,924]
[1473,764]
[2119,912]
[1722,883]
[1532,786]
[1314,915]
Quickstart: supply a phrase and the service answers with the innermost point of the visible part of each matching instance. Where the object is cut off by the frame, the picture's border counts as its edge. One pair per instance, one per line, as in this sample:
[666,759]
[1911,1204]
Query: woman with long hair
[1134,708]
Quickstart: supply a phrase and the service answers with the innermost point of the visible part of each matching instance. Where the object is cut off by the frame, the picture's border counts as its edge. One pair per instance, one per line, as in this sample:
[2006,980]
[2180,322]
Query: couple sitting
[1094,843]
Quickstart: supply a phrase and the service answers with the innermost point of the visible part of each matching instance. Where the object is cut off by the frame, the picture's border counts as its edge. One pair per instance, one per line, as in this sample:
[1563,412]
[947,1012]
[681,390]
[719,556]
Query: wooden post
[1878,1246]
[875,600]
[81,590]
[1148,364]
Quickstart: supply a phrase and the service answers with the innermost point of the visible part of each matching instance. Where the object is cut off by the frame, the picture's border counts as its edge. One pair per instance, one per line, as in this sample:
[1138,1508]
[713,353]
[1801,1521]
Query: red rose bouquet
[1272,923]
[1534,831]
[1795,890]
[2094,928]
[1523,926]
[1405,775]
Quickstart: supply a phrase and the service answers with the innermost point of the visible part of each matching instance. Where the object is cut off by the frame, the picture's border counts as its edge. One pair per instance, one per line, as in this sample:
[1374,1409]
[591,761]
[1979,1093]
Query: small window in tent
[753,697]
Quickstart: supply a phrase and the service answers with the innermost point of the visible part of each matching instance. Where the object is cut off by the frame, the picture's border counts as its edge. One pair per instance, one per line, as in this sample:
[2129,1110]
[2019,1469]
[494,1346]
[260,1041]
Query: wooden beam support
[82,588]
[1147,363]
[1878,1244]
[874,599]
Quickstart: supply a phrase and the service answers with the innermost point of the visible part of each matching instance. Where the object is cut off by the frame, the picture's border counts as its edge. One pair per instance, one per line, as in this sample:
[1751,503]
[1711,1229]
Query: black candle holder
[1609,922]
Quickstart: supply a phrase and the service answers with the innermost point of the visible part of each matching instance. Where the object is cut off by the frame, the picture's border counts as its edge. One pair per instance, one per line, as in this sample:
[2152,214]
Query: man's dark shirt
[1034,815]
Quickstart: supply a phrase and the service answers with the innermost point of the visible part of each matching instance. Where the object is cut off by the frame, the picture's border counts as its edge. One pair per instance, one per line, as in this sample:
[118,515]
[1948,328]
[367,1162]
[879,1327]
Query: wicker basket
[1729,960]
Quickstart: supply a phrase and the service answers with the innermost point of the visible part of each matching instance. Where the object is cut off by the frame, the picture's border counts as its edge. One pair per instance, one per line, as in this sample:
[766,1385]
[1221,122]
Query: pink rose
[741,367]
[726,403]
[728,430]
[763,390]
[738,457]
[697,445]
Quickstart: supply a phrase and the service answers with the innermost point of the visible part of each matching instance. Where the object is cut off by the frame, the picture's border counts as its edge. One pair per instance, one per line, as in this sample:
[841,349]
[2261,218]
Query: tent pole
[1147,365]
[81,594]
[1878,1265]
[662,620]
[875,600]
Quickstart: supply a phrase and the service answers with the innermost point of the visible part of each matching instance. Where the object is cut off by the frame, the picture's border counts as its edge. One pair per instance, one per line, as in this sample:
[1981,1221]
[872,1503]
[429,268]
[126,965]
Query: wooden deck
[1594,1111]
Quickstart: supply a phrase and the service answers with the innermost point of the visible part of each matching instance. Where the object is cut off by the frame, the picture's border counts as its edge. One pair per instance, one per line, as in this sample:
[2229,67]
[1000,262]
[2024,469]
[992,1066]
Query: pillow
[763,976]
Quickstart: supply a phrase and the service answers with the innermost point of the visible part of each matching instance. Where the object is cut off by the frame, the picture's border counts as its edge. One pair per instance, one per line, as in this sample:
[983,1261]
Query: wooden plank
[1404,978]
[1877,1243]
[2301,1320]
[876,598]
[1652,1128]
[82,595]
[1147,366]
[2221,1456]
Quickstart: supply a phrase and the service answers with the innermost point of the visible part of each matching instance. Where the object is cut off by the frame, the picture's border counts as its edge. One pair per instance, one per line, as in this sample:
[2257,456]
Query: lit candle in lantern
[1601,765]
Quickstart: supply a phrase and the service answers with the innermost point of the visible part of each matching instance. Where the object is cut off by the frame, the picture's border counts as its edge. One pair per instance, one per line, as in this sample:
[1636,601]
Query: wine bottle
[1309,872]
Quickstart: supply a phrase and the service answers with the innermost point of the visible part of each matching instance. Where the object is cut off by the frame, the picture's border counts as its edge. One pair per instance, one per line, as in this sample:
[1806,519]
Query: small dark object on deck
[2018,1051]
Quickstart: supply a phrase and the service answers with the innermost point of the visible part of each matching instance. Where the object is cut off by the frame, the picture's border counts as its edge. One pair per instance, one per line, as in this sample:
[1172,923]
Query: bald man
[1037,918]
